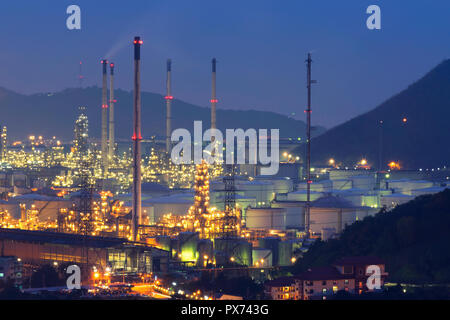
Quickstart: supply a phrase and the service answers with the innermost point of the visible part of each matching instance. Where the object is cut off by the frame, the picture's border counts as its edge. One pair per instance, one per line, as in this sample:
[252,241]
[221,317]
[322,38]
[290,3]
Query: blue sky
[260,47]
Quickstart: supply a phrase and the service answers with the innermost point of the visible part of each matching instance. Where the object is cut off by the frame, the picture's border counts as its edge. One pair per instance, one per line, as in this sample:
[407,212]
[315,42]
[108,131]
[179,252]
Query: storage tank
[392,200]
[341,184]
[263,192]
[48,207]
[406,186]
[317,186]
[205,250]
[300,195]
[266,218]
[164,242]
[424,191]
[285,253]
[332,212]
[327,233]
[364,182]
[12,207]
[177,204]
[188,246]
[270,243]
[295,213]
[237,249]
[280,184]
[262,257]
[342,174]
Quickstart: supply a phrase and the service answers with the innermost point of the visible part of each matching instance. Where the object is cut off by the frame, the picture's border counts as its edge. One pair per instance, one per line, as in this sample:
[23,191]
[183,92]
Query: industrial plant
[139,224]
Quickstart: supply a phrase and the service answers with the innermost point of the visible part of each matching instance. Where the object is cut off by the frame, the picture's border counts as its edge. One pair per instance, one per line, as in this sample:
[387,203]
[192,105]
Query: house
[284,288]
[357,268]
[321,282]
[349,274]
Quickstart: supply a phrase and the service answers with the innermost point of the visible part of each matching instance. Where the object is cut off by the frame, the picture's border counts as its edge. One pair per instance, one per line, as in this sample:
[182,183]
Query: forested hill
[413,238]
[415,129]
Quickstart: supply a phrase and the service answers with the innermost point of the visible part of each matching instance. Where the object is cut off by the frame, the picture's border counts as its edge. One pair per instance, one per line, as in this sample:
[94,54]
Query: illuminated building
[3,143]
[80,141]
[284,288]
[105,253]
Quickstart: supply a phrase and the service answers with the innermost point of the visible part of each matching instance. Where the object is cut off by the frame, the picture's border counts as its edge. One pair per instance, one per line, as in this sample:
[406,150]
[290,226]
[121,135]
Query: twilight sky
[260,46]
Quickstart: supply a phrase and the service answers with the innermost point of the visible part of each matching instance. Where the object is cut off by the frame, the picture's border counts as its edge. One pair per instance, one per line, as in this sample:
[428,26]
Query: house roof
[365,260]
[280,282]
[322,273]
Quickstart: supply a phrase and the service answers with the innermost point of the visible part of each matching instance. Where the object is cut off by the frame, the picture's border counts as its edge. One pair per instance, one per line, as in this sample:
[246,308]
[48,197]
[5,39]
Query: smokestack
[169,99]
[104,144]
[111,113]
[213,95]
[309,82]
[137,137]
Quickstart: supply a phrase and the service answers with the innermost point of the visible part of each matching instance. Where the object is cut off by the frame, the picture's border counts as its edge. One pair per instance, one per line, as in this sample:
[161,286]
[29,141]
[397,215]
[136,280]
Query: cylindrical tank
[188,246]
[266,218]
[272,244]
[364,182]
[205,252]
[262,257]
[285,253]
[239,250]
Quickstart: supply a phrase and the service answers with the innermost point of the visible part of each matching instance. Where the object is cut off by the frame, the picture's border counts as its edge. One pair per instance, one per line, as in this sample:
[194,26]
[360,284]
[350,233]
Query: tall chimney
[104,144]
[137,137]
[213,95]
[111,113]
[169,99]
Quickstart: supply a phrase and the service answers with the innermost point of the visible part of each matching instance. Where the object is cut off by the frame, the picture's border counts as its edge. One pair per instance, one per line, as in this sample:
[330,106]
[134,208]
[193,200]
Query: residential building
[322,282]
[357,268]
[284,288]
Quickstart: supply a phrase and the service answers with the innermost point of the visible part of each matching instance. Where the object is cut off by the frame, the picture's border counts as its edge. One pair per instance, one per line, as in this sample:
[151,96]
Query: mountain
[53,114]
[420,142]
[413,239]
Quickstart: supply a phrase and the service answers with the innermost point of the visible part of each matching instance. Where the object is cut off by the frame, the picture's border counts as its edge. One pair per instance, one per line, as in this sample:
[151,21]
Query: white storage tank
[392,200]
[177,204]
[48,207]
[406,186]
[263,192]
[295,213]
[318,186]
[266,218]
[335,212]
[301,195]
[12,207]
[262,258]
[280,184]
[424,191]
[364,182]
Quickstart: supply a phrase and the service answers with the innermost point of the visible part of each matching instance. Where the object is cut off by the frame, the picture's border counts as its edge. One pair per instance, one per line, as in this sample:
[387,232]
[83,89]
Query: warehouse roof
[60,238]
[37,197]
